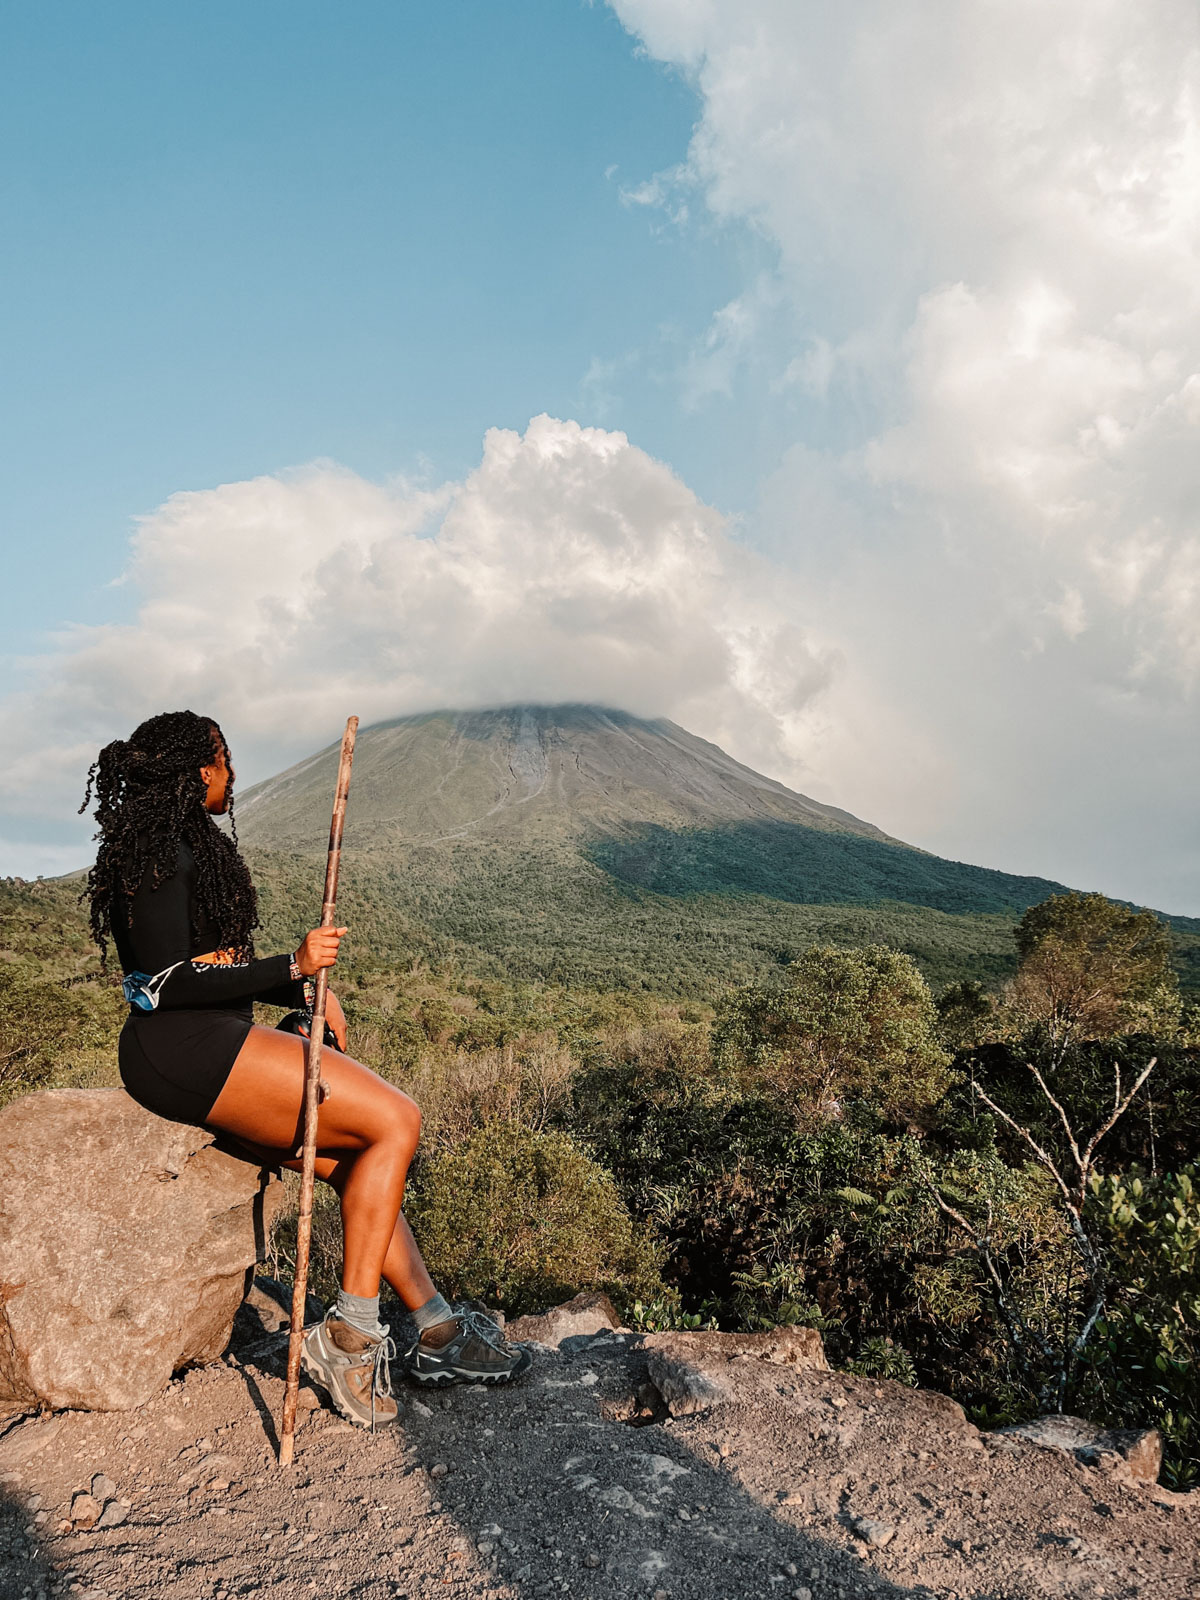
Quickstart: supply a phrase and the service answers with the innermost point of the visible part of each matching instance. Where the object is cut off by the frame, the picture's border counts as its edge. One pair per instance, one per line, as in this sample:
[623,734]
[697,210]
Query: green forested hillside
[554,915]
[807,866]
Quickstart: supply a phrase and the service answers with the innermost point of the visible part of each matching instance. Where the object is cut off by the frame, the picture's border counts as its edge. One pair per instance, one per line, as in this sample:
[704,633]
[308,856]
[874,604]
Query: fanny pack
[141,988]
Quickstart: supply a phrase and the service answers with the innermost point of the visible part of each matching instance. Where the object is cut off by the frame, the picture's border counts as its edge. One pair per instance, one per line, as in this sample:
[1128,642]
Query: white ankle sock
[359,1310]
[433,1312]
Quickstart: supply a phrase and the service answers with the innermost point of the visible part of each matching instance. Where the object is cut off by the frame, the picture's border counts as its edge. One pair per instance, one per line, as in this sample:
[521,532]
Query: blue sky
[827,378]
[243,237]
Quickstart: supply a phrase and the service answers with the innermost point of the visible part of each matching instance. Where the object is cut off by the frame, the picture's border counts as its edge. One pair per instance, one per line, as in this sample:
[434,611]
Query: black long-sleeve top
[159,933]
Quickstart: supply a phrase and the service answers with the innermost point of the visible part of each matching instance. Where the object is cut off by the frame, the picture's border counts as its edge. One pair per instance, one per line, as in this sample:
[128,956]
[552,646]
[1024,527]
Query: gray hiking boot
[478,1353]
[353,1367]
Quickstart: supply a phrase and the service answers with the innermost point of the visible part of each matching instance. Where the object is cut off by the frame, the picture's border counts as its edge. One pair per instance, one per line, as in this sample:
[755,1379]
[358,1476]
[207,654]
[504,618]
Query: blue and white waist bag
[141,988]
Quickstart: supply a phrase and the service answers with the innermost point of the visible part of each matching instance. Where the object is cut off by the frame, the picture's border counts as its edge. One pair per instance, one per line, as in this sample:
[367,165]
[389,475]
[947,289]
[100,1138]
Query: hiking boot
[477,1353]
[353,1367]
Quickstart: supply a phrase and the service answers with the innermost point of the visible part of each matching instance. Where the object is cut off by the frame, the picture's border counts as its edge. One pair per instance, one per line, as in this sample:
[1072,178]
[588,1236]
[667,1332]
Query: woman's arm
[160,927]
[206,983]
[318,949]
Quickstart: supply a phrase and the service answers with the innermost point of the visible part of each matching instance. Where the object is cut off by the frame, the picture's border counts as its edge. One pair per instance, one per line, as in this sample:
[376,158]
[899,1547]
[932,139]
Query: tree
[1076,1179]
[1091,969]
[967,1015]
[844,1024]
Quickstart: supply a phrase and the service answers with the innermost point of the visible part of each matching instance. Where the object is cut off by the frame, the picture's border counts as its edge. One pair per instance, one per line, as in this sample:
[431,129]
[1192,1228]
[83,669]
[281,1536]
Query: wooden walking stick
[312,1094]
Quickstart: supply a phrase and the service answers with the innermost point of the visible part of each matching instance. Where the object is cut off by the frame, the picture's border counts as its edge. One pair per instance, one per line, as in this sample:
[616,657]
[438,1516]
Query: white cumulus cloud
[568,566]
[985,222]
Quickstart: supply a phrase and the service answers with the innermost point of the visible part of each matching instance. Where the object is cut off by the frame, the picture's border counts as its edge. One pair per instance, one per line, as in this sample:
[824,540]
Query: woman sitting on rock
[173,893]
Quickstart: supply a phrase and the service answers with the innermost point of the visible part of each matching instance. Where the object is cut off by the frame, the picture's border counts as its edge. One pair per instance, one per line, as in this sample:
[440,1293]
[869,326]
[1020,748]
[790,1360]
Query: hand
[336,1018]
[319,950]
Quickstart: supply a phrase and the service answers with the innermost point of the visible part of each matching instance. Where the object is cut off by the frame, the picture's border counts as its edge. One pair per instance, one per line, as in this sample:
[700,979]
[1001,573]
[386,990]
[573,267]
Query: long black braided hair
[150,797]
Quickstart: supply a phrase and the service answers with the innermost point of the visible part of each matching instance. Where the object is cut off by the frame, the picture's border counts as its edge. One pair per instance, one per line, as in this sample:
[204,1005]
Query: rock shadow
[25,1566]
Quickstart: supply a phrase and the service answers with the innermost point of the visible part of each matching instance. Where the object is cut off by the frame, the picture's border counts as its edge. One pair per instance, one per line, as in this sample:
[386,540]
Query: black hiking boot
[477,1352]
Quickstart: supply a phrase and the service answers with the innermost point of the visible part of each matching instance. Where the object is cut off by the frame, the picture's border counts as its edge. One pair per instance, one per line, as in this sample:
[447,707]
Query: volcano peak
[524,772]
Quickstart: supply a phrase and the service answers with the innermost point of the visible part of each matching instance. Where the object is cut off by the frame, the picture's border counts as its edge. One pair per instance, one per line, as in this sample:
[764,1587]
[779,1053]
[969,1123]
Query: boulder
[695,1371]
[1140,1449]
[126,1245]
[585,1316]
[688,1384]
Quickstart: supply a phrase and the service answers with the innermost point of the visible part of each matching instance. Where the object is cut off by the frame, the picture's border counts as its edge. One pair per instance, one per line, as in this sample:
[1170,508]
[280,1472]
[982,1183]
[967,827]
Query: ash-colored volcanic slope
[522,773]
[584,845]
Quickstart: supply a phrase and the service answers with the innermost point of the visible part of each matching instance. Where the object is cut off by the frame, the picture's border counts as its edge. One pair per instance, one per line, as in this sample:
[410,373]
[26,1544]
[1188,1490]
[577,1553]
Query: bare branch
[1070,1132]
[1073,1205]
[1063,1359]
[1093,1316]
[1119,1110]
[1019,1330]
[1046,1160]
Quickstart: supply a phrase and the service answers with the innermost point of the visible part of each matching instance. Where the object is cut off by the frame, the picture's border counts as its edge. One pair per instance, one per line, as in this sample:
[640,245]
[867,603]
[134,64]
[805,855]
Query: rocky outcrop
[126,1242]
[587,1316]
[694,1371]
[1139,1450]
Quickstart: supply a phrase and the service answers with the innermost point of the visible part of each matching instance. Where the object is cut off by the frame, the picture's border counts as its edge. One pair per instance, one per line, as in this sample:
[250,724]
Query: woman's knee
[399,1121]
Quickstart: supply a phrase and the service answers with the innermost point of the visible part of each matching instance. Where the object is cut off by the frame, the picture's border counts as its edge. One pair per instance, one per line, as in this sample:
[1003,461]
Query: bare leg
[365,1127]
[403,1267]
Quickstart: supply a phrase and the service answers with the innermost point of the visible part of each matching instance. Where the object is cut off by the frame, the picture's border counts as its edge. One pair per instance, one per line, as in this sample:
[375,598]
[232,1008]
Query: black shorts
[175,1063]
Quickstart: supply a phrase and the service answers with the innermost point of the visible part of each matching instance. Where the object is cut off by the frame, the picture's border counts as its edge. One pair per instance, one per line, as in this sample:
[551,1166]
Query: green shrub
[1144,1361]
[879,1357]
[846,1024]
[665,1314]
[526,1220]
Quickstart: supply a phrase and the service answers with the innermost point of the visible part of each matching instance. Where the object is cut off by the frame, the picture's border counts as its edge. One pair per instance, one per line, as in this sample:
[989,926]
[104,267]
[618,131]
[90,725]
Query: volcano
[581,844]
[523,773]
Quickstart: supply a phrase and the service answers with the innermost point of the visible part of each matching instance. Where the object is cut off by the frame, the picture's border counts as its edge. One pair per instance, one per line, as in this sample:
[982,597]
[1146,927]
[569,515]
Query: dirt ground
[575,1482]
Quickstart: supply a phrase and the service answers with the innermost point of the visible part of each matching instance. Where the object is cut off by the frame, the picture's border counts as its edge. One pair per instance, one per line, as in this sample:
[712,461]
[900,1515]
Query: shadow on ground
[25,1569]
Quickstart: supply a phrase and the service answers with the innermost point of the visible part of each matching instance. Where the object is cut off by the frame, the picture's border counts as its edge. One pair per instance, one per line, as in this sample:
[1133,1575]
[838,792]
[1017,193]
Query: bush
[325,1243]
[50,1035]
[846,1024]
[525,1220]
[879,1357]
[463,1090]
[1144,1364]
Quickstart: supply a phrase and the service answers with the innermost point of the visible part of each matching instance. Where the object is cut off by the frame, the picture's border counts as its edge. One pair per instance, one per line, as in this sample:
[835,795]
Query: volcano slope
[582,845]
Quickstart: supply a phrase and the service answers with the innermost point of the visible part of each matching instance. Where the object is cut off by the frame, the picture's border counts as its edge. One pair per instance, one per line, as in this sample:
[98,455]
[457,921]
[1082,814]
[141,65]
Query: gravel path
[776,1481]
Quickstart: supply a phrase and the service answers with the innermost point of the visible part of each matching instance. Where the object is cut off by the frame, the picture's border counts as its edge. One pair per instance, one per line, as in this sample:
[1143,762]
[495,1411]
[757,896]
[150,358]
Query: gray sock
[359,1310]
[431,1313]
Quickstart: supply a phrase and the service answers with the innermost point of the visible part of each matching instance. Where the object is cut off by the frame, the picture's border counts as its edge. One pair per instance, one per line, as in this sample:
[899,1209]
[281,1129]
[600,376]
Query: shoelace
[381,1372]
[484,1327]
[473,1322]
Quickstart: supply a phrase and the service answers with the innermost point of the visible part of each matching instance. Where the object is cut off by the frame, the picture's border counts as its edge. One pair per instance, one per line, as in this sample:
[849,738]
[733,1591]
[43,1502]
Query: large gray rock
[126,1245]
[584,1317]
[695,1371]
[1140,1449]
